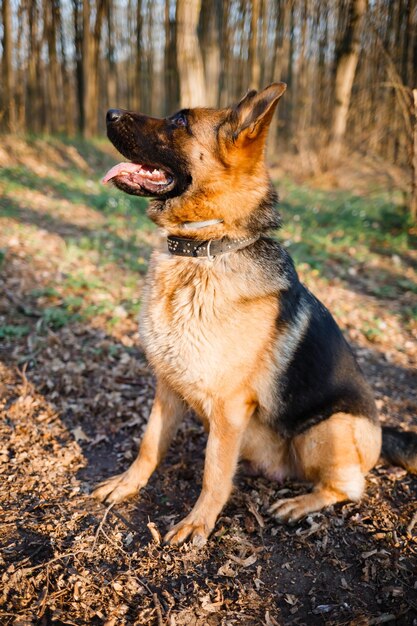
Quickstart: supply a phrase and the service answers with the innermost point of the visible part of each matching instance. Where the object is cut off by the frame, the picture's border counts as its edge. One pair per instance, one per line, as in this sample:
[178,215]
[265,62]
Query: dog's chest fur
[207,327]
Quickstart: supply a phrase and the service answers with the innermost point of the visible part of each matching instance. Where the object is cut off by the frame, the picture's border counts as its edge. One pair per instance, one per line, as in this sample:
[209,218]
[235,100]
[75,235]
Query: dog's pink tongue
[120,168]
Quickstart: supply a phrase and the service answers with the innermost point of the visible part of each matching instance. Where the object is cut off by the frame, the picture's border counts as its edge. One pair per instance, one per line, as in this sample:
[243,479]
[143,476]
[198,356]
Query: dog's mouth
[139,179]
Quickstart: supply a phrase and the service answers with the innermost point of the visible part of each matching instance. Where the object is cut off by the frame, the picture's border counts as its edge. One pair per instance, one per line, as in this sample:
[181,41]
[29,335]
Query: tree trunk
[225,38]
[291,127]
[137,98]
[255,68]
[302,82]
[280,54]
[50,20]
[210,47]
[346,62]
[172,92]
[86,63]
[66,85]
[111,85]
[240,78]
[190,62]
[8,78]
[150,58]
[34,104]
[263,47]
[78,41]
[95,39]
[413,199]
[21,72]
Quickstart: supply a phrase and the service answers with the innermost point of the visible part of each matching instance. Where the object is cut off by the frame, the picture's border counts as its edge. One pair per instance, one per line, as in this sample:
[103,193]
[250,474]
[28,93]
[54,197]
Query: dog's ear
[253,114]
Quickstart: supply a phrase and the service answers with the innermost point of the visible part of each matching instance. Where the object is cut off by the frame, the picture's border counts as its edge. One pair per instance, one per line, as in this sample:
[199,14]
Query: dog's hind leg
[227,422]
[265,451]
[335,455]
[167,412]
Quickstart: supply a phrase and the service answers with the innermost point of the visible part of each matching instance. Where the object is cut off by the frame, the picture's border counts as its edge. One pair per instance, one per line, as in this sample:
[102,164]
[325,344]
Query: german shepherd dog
[228,328]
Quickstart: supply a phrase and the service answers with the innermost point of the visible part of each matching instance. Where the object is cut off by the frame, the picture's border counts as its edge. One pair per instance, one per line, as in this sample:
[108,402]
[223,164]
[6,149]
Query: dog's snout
[113,115]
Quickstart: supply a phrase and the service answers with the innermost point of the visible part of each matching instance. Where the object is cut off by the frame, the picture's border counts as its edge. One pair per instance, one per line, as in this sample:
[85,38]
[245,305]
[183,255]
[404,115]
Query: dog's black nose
[113,115]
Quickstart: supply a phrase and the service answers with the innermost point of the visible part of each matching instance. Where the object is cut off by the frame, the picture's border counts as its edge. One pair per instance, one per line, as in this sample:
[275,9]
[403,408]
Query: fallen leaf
[250,560]
[227,570]
[156,535]
[79,434]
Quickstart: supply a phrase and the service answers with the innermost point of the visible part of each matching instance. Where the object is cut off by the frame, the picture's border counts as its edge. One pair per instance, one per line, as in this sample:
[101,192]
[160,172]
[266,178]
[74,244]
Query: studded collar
[182,246]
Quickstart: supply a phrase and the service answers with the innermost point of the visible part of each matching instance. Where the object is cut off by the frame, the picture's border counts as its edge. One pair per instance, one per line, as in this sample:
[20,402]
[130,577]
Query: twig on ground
[27,570]
[158,608]
[101,524]
[412,523]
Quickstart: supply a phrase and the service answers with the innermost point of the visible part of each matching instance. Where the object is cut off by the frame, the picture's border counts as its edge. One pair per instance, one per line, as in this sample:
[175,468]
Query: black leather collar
[182,246]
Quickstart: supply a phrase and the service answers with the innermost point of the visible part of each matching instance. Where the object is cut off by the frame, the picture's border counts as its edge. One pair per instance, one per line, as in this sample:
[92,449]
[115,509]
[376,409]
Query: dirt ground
[75,394]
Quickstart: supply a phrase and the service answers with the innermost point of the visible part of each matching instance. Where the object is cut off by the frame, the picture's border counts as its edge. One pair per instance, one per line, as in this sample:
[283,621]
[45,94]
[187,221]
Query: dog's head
[199,164]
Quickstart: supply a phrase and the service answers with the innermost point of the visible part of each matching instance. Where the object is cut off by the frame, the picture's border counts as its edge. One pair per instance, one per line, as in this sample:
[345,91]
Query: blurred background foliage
[350,66]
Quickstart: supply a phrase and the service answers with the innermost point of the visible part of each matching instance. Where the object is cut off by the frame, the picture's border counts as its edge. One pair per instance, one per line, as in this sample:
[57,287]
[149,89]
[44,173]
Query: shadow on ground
[69,426]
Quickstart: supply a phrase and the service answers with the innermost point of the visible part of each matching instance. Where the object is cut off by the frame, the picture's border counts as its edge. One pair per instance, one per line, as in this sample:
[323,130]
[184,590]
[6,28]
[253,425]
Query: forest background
[350,67]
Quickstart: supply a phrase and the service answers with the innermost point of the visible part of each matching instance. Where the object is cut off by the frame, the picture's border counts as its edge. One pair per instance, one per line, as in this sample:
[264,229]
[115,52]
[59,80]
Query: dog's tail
[399,447]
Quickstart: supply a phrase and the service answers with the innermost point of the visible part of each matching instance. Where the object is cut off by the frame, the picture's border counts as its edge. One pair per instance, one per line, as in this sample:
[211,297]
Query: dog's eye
[180,120]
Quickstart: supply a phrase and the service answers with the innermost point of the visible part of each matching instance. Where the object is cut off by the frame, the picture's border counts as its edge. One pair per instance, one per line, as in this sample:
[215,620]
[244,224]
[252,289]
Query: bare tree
[347,57]
[67,92]
[78,47]
[95,41]
[190,62]
[111,74]
[210,48]
[34,81]
[225,40]
[255,68]
[172,96]
[50,9]
[137,86]
[86,64]
[8,77]
[413,199]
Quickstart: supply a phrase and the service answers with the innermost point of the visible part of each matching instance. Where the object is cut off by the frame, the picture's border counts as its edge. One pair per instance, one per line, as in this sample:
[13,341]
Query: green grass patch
[407,285]
[56,317]
[10,331]
[321,227]
[127,250]
[81,282]
[8,208]
[45,292]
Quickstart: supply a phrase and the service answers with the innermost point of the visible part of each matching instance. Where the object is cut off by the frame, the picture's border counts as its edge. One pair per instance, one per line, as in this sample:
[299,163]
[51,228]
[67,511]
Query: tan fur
[226,184]
[268,453]
[202,309]
[334,456]
[227,425]
[195,315]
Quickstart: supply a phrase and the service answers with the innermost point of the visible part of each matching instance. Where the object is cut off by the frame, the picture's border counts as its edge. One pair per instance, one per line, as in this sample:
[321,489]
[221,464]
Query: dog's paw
[116,489]
[290,510]
[197,531]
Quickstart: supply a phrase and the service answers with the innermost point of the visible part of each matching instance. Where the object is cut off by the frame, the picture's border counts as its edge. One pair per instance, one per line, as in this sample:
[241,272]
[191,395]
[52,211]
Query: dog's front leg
[227,425]
[167,412]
